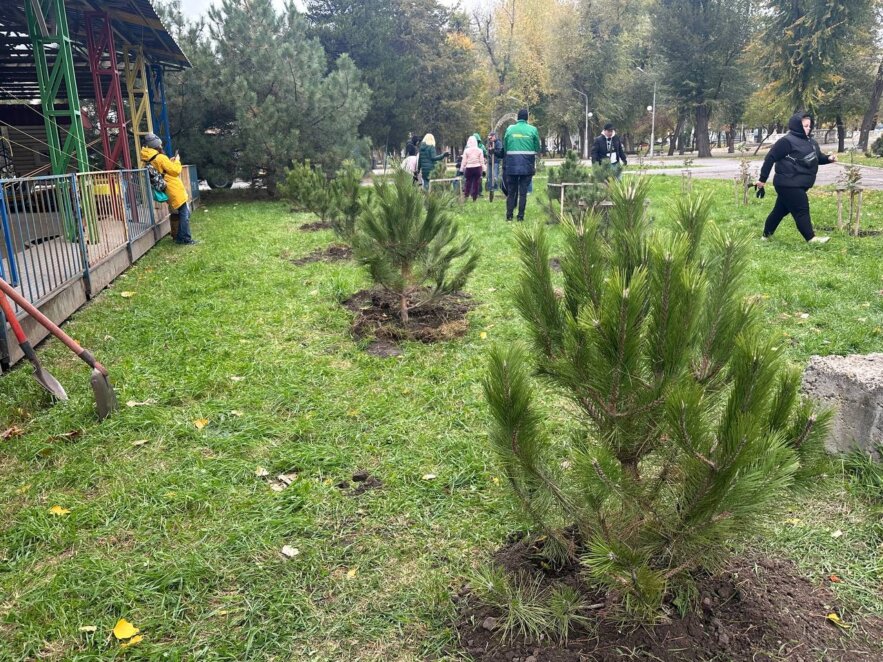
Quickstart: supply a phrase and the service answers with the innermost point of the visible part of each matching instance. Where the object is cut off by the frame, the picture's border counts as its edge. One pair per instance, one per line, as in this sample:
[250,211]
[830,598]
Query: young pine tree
[307,188]
[576,198]
[686,427]
[410,244]
[349,199]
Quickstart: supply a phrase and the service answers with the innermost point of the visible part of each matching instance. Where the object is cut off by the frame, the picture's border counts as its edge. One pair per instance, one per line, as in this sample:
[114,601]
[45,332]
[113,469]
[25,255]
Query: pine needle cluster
[686,426]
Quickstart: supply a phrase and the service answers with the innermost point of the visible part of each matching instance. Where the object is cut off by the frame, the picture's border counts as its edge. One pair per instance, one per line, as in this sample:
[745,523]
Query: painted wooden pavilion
[81,83]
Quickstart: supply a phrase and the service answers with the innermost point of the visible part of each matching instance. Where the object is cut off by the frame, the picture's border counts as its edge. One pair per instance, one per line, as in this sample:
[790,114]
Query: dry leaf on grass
[9,433]
[88,628]
[124,630]
[835,579]
[289,551]
[236,413]
[351,573]
[837,533]
[836,620]
[23,489]
[140,442]
[135,403]
[58,511]
[132,641]
[260,472]
[200,423]
[236,378]
[429,476]
[127,294]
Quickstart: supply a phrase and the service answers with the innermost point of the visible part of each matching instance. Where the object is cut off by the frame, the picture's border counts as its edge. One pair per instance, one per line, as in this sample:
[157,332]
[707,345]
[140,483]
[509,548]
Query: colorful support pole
[108,91]
[156,78]
[139,94]
[50,38]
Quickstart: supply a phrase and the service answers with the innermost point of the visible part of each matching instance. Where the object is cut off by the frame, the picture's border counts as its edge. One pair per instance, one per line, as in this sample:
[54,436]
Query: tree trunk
[841,135]
[676,135]
[703,147]
[731,139]
[869,121]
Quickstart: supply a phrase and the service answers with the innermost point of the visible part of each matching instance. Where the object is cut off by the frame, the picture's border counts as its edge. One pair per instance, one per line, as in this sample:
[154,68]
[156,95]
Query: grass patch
[180,536]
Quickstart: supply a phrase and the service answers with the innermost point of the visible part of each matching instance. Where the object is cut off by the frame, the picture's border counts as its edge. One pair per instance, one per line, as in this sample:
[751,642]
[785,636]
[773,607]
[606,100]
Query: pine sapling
[411,245]
[688,429]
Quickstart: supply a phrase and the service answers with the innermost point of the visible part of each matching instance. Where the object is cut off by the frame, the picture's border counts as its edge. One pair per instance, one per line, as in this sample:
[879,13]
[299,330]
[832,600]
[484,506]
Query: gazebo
[81,82]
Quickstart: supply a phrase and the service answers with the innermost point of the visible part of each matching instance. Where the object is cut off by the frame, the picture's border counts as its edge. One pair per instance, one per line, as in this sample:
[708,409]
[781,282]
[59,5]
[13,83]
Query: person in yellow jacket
[170,169]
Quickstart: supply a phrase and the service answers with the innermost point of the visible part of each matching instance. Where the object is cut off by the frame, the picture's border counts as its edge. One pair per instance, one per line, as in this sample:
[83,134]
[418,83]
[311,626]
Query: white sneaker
[819,240]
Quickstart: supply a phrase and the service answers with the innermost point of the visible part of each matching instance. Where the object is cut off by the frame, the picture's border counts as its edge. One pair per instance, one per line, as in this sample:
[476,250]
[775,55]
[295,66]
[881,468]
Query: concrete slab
[854,386]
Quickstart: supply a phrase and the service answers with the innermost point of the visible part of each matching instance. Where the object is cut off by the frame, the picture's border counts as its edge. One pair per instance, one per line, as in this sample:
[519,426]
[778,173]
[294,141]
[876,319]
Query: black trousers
[517,186]
[790,201]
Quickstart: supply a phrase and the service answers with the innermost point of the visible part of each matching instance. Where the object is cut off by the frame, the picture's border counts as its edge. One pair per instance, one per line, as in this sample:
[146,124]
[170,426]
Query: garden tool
[43,377]
[105,397]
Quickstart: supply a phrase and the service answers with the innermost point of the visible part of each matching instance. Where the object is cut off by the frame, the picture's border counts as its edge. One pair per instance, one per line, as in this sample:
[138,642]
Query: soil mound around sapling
[377,318]
[315,226]
[756,610]
[332,253]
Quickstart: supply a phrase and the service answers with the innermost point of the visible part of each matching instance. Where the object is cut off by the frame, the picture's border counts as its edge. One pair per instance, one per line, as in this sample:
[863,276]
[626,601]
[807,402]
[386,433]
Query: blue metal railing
[56,228]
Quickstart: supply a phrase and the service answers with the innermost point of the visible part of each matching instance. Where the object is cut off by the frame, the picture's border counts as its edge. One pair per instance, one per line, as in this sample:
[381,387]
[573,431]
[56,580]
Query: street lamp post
[653,122]
[586,136]
[652,109]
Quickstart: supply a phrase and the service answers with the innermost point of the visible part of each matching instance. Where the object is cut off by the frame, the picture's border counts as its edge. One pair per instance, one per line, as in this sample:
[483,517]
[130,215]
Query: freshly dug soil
[757,610]
[315,226]
[333,253]
[377,317]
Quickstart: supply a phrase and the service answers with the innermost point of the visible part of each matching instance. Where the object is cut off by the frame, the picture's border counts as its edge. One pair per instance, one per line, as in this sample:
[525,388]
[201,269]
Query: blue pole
[157,89]
[7,238]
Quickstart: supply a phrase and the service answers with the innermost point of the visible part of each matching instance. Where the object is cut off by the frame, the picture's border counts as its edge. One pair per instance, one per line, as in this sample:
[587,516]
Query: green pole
[47,25]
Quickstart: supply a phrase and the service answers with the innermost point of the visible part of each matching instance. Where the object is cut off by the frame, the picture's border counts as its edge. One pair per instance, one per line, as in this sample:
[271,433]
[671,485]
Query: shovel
[105,397]
[43,377]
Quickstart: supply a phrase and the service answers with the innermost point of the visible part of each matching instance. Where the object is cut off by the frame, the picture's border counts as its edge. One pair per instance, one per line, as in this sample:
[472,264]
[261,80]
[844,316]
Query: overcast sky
[193,8]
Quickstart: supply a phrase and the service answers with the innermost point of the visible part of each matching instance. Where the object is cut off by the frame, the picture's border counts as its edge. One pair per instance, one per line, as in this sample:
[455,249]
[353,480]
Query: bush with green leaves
[577,199]
[411,245]
[684,427]
[877,147]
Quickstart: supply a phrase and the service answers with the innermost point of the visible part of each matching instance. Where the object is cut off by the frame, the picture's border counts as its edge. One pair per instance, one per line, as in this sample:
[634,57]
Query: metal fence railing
[43,246]
[56,228]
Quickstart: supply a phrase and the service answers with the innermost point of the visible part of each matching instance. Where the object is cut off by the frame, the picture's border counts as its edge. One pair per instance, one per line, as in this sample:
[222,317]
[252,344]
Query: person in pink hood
[473,165]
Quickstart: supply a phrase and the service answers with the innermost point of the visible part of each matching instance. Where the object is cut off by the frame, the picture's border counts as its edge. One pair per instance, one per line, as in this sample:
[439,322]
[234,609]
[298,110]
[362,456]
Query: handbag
[160,196]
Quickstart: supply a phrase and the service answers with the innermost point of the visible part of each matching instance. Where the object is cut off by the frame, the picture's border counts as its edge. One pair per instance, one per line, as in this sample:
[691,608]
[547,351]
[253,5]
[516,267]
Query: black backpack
[157,181]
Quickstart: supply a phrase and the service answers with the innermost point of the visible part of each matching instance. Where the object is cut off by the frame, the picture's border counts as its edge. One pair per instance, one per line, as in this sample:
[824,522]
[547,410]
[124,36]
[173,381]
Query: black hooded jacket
[797,157]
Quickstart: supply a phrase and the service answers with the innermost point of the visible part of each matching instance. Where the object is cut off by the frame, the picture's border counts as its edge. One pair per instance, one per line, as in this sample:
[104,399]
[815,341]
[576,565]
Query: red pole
[108,91]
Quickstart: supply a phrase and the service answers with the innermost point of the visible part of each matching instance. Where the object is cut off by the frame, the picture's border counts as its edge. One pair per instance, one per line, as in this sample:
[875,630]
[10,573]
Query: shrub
[877,147]
[410,244]
[577,198]
[308,189]
[349,198]
[686,427]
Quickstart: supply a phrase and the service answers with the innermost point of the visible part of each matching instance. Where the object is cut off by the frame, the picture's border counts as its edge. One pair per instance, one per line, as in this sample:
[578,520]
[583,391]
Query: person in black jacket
[797,158]
[607,150]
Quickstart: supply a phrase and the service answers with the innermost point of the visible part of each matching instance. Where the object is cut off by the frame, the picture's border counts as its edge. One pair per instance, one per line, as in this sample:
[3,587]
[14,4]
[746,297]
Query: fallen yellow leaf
[124,630]
[132,641]
[482,335]
[836,620]
[200,423]
[429,476]
[793,521]
[351,573]
[59,511]
[127,294]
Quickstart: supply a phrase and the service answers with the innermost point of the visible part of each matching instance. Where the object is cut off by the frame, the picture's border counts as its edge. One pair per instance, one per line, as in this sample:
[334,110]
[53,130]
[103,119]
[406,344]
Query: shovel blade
[105,396]
[45,379]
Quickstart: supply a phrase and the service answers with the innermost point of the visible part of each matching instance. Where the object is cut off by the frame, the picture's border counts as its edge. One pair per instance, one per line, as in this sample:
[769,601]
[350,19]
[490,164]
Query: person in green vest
[428,157]
[521,144]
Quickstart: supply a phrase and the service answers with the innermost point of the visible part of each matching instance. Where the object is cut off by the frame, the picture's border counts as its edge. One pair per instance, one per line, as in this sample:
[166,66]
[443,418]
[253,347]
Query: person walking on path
[607,151]
[428,158]
[797,157]
[521,144]
[473,166]
[170,169]
[495,147]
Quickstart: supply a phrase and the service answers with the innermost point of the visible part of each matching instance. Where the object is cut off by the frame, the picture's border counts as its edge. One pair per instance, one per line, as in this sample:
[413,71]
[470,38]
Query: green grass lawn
[172,528]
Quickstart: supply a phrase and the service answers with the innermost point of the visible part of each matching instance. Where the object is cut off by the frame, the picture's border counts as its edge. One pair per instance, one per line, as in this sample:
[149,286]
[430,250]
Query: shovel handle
[9,313]
[51,326]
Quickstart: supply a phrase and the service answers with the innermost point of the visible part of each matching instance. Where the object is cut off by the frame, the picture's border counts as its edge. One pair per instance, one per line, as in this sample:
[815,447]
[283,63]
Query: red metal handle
[51,326]
[9,313]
